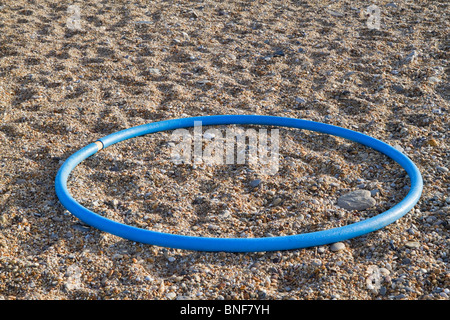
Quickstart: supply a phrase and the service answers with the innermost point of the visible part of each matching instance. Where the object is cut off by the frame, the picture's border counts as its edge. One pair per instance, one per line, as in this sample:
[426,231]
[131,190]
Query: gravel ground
[65,83]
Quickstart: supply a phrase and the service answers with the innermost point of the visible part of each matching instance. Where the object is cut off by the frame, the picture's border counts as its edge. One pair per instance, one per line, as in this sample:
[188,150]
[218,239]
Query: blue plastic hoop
[239,244]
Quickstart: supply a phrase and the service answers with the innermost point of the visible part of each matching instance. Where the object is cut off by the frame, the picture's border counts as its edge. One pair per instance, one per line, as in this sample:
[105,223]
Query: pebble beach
[71,73]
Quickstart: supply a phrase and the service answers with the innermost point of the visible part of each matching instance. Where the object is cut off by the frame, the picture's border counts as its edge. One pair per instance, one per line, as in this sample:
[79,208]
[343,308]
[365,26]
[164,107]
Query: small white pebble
[384,271]
[412,244]
[154,71]
[171,295]
[316,262]
[337,246]
[209,135]
[277,201]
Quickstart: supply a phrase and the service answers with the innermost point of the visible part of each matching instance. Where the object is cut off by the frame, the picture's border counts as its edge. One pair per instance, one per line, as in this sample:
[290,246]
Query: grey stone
[81,228]
[391,4]
[443,169]
[300,100]
[278,53]
[255,183]
[398,88]
[277,201]
[412,244]
[410,58]
[154,71]
[406,261]
[357,200]
[337,246]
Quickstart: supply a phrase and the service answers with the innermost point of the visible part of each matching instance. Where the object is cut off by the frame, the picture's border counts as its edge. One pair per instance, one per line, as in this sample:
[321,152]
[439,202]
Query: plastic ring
[239,244]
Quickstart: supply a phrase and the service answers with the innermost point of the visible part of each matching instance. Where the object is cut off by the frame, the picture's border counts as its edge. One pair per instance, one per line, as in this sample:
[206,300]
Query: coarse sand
[73,73]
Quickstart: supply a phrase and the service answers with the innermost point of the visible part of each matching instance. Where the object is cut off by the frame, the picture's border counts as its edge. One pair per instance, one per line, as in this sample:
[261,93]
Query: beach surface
[73,73]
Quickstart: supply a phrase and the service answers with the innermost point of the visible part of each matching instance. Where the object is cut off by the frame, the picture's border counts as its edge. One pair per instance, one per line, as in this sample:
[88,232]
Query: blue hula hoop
[239,244]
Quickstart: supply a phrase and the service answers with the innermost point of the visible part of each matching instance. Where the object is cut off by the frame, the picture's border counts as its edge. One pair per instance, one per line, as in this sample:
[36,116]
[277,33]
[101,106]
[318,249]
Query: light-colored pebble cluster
[131,63]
